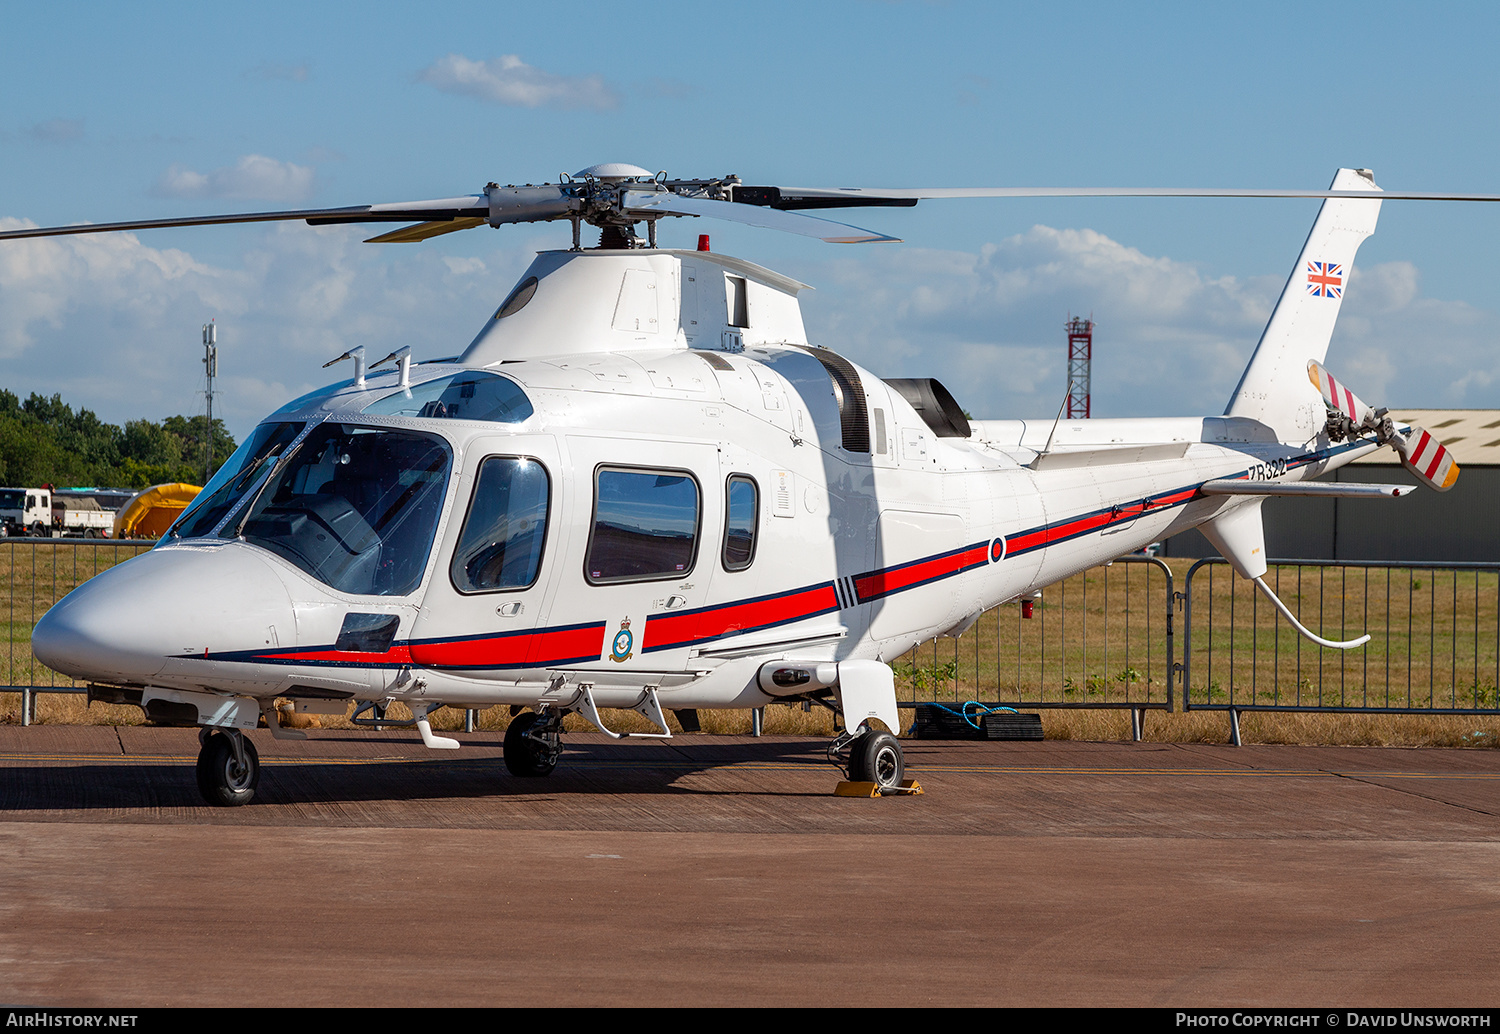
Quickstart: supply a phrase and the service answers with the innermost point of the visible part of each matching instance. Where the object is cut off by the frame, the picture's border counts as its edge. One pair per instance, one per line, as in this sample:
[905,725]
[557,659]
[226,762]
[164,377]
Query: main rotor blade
[440,209]
[826,197]
[640,201]
[423,231]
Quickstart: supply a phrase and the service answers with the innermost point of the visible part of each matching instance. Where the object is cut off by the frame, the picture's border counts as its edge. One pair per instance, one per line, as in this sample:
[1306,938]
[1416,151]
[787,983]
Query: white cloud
[1168,340]
[510,81]
[42,281]
[253,178]
[463,266]
[1407,350]
[112,323]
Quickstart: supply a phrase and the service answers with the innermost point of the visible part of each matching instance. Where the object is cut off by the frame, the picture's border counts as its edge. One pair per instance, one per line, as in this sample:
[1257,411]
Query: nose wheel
[228,768]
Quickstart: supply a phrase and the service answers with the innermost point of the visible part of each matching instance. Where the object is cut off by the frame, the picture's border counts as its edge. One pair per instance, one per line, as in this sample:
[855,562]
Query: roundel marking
[997,549]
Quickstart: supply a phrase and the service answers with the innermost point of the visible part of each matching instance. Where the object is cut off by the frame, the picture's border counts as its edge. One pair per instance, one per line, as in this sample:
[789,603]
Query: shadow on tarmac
[475,772]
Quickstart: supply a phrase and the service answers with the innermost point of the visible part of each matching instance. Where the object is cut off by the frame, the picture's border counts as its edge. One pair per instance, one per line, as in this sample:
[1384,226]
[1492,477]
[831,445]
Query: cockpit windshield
[471,395]
[355,507]
[239,474]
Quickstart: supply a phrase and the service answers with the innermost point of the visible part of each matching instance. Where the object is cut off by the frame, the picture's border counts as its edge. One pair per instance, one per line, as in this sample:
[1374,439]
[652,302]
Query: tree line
[45,441]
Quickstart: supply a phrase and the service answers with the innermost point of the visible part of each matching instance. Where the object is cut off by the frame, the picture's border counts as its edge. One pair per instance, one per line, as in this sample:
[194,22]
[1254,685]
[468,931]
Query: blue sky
[156,110]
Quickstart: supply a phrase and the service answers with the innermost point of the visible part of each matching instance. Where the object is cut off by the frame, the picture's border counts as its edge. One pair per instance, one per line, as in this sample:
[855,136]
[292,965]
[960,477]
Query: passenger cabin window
[500,547]
[742,509]
[473,395]
[645,526]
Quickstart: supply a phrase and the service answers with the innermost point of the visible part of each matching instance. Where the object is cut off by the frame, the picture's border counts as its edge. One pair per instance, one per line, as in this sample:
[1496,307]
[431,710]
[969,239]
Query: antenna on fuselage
[402,356]
[357,353]
[1055,421]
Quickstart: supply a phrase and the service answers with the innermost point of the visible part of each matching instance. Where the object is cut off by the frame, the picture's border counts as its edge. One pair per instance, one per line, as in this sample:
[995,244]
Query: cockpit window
[239,474]
[501,544]
[471,395]
[355,507]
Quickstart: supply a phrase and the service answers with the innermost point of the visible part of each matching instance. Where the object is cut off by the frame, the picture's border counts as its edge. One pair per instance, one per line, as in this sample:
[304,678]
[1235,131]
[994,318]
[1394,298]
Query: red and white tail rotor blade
[1339,397]
[1428,459]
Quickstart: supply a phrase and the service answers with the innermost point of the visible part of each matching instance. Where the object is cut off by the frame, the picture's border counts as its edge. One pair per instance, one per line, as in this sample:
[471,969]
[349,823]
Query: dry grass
[1097,638]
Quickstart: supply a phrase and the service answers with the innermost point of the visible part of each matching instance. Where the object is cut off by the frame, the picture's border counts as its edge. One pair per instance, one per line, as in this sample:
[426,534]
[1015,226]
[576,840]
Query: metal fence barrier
[1100,639]
[34,574]
[1434,631]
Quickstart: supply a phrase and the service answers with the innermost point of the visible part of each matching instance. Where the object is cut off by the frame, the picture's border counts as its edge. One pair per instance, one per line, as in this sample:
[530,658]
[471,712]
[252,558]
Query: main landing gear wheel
[529,753]
[224,779]
[876,758]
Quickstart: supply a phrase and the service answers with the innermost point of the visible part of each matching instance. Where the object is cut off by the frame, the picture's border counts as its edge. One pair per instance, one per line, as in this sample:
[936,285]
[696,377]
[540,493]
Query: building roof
[1472,435]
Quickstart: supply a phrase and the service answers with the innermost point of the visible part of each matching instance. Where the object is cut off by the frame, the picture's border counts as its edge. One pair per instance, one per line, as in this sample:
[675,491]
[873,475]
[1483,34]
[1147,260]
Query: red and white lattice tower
[1080,360]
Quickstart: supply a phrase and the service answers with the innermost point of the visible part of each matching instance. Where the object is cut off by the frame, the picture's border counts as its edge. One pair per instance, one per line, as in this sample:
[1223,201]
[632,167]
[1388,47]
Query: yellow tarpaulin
[150,514]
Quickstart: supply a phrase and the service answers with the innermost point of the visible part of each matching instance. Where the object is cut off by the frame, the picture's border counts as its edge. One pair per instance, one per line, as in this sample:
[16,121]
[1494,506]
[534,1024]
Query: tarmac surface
[721,871]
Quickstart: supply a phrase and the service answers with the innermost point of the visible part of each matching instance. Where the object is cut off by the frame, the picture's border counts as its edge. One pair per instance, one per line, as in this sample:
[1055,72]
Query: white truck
[42,512]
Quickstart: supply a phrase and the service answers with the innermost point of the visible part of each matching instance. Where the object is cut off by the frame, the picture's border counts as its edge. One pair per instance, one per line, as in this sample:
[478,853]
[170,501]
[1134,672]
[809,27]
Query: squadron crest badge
[620,651]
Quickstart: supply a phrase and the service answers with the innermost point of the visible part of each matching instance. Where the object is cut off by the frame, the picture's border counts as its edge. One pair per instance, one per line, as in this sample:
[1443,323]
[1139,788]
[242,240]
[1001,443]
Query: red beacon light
[703,242]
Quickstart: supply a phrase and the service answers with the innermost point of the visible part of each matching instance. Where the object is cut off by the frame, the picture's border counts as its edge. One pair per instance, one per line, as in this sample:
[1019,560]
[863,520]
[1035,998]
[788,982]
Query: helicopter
[642,486]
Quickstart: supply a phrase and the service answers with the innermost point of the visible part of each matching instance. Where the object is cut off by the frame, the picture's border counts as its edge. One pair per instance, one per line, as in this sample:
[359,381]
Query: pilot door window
[500,548]
[741,510]
[645,526]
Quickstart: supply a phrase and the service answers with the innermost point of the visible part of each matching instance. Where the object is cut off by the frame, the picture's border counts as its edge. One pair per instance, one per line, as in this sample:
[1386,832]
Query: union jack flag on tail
[1325,279]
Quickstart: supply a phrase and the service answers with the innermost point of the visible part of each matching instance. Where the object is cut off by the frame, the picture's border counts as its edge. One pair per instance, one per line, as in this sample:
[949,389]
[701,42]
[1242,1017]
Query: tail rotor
[1350,418]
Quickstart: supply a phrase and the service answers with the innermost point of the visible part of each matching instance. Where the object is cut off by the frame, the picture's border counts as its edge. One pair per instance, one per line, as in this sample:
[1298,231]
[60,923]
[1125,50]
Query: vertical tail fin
[1274,388]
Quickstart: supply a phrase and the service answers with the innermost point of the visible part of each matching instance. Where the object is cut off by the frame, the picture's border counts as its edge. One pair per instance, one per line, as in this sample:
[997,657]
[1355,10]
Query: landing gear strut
[533,743]
[228,768]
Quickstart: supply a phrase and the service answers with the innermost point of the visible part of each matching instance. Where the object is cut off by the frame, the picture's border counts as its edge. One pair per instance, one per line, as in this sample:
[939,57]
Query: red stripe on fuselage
[518,650]
[668,630]
[397,655]
[894,579]
[1039,537]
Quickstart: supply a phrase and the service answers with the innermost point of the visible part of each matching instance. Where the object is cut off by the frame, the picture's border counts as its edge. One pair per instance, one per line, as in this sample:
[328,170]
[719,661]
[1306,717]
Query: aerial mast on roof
[211,368]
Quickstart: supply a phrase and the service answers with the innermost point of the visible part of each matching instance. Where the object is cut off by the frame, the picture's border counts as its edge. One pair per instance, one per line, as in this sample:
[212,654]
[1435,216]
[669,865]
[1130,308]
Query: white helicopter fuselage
[807,512]
[641,486]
